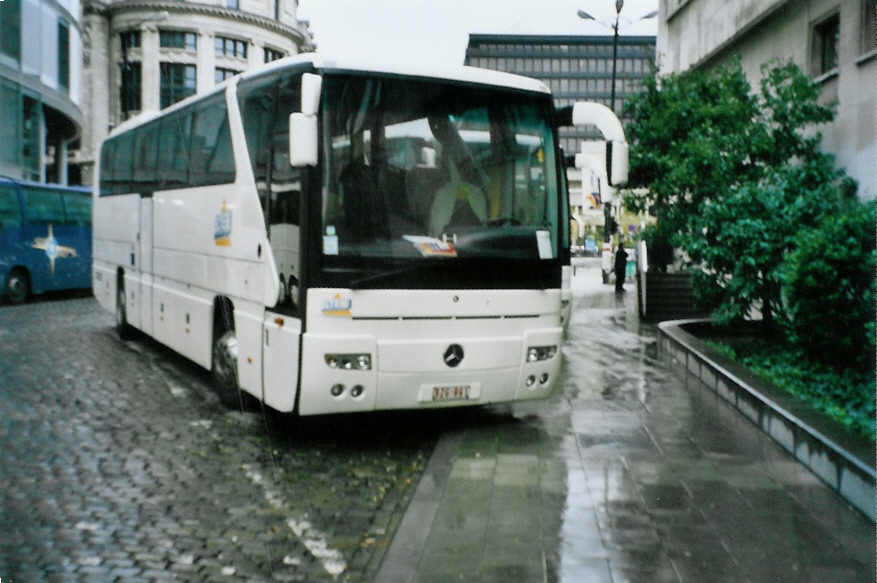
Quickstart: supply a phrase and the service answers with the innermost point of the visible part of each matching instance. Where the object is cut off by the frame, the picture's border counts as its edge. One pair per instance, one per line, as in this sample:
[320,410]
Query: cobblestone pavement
[118,462]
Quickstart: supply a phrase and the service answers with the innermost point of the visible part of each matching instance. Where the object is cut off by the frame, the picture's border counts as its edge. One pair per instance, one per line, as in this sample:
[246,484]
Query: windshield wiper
[361,281]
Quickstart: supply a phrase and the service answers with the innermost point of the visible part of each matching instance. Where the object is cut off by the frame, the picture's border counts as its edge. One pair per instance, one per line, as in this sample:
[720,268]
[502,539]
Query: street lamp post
[619,4]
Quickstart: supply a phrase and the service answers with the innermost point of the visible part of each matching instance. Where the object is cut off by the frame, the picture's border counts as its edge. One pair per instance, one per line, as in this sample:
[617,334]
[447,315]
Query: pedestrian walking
[620,267]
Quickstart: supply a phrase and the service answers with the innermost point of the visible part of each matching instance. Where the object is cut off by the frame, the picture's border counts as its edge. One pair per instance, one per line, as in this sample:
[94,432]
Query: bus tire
[17,286]
[224,367]
[122,325]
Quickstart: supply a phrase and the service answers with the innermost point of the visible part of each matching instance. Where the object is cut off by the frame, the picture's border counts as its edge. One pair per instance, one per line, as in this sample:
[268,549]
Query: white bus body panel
[146,277]
[115,224]
[407,332]
[280,360]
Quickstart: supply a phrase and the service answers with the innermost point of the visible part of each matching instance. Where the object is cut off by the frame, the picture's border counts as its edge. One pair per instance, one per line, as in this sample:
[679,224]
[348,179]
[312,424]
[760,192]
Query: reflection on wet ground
[628,475]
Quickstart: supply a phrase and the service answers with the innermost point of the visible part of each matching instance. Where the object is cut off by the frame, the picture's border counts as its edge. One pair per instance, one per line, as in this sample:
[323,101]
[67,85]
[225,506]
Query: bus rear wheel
[17,286]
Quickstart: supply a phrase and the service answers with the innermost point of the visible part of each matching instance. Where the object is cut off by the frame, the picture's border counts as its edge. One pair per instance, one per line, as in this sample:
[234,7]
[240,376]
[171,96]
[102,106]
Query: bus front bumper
[428,373]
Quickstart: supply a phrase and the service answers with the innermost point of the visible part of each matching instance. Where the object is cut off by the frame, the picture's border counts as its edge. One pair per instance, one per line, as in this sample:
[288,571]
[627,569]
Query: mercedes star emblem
[453,355]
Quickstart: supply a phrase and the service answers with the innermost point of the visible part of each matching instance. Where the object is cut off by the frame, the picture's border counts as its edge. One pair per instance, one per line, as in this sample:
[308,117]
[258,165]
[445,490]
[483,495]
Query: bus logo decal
[222,227]
[49,244]
[337,306]
[453,355]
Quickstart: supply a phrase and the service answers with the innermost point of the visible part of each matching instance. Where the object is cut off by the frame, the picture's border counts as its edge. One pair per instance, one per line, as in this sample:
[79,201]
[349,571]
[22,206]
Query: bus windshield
[436,171]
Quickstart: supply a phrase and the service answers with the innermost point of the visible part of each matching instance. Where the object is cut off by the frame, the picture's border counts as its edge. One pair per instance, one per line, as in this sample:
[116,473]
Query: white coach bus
[330,237]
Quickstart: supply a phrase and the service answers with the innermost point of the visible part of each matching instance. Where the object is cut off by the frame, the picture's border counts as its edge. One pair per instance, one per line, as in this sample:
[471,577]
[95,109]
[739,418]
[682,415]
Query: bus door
[266,105]
[145,264]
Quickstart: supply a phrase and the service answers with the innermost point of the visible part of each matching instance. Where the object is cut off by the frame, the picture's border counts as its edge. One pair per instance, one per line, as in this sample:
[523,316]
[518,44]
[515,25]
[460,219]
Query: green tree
[830,287]
[732,177]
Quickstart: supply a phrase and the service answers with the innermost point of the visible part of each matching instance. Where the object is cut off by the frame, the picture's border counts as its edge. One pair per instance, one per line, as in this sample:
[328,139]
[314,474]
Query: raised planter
[666,296]
[843,461]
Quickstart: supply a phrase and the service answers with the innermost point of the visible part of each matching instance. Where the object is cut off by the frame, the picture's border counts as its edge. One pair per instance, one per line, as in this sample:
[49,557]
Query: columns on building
[150,70]
[206,61]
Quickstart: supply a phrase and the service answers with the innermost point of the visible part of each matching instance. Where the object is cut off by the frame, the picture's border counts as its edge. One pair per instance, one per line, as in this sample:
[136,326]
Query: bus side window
[173,155]
[210,160]
[78,209]
[43,206]
[258,99]
[106,167]
[124,165]
[286,183]
[145,157]
[10,210]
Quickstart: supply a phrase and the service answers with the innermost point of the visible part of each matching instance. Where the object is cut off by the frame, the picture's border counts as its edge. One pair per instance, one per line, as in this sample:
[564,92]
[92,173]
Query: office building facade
[575,68]
[40,73]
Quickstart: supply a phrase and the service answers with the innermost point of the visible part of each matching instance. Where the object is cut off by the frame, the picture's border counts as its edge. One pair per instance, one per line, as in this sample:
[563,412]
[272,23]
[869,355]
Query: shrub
[829,288]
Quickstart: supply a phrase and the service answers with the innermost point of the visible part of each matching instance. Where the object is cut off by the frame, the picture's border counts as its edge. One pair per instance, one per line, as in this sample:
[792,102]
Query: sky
[437,31]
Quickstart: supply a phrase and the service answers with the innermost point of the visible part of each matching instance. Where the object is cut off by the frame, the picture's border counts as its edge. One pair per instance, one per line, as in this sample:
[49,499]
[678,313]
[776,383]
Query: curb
[841,461]
[402,558]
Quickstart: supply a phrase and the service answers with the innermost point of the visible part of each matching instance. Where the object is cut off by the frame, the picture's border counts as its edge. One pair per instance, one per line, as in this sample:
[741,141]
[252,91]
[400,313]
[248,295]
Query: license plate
[445,393]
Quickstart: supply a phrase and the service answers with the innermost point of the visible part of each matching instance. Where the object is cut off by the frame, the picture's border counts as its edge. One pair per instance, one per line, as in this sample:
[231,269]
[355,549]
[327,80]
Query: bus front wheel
[225,365]
[17,286]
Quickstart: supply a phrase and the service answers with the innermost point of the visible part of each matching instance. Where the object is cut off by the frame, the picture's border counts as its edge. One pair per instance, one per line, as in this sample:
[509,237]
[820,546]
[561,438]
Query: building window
[825,42]
[63,54]
[177,82]
[130,39]
[230,47]
[129,92]
[272,55]
[31,123]
[177,39]
[10,29]
[221,74]
[233,4]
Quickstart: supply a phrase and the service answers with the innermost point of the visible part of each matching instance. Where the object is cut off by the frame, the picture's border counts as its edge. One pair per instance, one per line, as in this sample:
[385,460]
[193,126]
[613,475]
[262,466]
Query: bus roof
[48,185]
[460,73]
[439,72]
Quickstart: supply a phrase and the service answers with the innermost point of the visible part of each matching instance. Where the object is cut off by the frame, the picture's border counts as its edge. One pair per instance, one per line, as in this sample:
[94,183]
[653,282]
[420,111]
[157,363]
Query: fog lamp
[536,353]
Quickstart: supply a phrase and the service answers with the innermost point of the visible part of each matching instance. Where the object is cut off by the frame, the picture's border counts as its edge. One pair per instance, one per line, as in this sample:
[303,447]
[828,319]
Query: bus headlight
[349,361]
[536,353]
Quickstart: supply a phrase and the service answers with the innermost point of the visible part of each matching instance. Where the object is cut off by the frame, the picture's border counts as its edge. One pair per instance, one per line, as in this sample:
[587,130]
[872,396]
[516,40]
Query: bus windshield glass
[425,171]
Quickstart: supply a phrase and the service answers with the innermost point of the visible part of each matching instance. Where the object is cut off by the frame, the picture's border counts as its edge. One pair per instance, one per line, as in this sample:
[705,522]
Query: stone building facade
[835,41]
[143,55]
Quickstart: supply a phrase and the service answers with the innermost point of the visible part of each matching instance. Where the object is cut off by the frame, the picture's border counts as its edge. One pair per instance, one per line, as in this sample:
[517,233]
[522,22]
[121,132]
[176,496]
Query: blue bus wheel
[17,286]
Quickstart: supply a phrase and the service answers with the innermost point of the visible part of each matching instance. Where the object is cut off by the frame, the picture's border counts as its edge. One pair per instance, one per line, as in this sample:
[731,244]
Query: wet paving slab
[624,474]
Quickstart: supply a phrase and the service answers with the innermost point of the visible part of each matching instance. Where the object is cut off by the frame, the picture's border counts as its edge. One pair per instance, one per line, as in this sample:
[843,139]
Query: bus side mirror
[311,87]
[617,162]
[303,126]
[590,113]
[302,140]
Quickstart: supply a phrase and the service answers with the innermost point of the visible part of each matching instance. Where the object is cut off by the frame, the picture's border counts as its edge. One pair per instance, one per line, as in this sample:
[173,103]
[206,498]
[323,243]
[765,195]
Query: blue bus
[45,238]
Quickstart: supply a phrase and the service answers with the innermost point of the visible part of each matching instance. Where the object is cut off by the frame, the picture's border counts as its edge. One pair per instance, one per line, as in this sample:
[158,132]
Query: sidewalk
[623,475]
